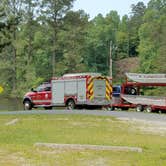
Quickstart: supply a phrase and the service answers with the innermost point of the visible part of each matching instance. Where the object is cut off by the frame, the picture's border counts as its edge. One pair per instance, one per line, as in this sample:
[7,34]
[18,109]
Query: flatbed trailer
[130,93]
[147,103]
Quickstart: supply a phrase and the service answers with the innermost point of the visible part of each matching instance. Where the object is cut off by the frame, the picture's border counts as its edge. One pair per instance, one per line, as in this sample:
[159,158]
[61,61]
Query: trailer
[71,90]
[130,94]
[147,103]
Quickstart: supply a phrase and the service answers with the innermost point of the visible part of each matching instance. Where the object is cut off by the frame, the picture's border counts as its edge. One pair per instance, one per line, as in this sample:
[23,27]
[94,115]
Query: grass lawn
[17,141]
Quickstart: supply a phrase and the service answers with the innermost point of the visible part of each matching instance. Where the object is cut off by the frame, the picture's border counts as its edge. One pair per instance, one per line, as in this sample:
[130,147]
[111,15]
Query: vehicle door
[43,95]
[47,95]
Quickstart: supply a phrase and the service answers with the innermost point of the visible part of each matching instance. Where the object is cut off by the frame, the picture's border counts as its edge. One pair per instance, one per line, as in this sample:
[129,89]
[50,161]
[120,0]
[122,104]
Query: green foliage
[45,38]
[152,40]
[100,33]
[135,21]
[73,37]
[155,91]
[53,13]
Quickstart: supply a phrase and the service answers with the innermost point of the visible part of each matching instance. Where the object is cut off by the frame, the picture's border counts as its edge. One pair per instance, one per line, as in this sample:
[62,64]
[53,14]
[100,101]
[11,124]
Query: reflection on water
[10,104]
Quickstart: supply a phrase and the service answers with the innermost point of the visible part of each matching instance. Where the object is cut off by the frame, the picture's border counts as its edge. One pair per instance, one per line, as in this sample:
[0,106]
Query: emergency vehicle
[71,90]
[130,94]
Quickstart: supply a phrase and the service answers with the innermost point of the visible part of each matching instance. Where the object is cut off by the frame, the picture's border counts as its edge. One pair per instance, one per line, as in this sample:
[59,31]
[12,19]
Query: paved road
[118,114]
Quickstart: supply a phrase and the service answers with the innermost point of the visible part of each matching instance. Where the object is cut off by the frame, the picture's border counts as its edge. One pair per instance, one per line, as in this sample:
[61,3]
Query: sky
[94,7]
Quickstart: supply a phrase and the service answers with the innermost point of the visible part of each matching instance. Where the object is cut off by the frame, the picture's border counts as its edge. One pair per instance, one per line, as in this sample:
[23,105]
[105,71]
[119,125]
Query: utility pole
[111,59]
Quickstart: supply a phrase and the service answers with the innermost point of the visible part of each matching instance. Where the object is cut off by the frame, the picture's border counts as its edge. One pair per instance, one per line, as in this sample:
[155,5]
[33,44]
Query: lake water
[10,104]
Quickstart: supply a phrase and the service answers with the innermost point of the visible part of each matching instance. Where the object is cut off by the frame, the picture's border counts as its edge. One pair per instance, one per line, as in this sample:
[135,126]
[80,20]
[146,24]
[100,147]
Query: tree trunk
[14,69]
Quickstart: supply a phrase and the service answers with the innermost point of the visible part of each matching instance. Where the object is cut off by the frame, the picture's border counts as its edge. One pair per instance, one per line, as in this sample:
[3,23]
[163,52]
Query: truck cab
[39,97]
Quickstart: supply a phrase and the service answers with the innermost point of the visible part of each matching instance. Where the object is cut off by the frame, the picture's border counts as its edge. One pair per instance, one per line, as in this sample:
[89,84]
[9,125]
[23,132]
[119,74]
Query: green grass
[16,141]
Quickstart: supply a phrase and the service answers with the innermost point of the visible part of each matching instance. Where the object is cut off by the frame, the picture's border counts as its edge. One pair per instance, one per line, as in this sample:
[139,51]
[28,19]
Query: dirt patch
[12,122]
[95,162]
[149,127]
[126,65]
[13,159]
[84,125]
[45,151]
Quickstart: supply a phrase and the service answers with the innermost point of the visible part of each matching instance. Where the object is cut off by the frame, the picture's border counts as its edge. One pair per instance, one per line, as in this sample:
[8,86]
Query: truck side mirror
[33,90]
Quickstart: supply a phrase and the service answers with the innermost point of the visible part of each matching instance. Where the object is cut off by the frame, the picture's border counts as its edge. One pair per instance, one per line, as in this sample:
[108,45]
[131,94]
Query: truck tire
[70,104]
[27,105]
[139,108]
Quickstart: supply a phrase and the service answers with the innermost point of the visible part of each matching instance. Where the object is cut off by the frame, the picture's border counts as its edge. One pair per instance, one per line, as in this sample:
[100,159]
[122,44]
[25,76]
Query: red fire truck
[129,94]
[71,90]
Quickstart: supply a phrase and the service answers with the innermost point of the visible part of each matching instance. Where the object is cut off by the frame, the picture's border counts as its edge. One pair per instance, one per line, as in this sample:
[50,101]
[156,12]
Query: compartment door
[58,92]
[81,92]
[99,88]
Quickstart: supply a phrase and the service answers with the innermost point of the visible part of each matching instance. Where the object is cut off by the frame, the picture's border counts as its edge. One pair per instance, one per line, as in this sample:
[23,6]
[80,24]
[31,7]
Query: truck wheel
[148,109]
[139,108]
[27,105]
[71,104]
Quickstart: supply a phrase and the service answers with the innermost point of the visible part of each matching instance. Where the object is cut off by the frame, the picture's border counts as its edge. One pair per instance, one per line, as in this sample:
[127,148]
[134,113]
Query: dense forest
[44,38]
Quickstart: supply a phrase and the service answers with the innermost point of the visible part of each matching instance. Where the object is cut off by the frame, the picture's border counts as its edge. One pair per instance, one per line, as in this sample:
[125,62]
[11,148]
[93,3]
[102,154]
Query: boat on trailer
[145,100]
[147,78]
[141,102]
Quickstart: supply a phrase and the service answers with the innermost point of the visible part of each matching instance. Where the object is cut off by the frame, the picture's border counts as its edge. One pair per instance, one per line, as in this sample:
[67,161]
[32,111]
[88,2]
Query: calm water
[10,104]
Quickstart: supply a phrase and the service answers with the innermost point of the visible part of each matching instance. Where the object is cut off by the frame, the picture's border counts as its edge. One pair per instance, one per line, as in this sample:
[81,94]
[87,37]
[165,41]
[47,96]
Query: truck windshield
[43,87]
[40,88]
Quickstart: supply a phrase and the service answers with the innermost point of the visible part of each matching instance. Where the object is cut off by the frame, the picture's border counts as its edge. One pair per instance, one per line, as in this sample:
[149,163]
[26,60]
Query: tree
[152,40]
[3,28]
[72,37]
[136,20]
[53,12]
[28,28]
[122,38]
[100,33]
[12,18]
[95,55]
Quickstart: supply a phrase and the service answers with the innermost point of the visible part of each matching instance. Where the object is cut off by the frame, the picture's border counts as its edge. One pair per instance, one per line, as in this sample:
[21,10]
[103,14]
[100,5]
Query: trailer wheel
[27,105]
[160,111]
[139,108]
[133,91]
[148,109]
[70,104]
